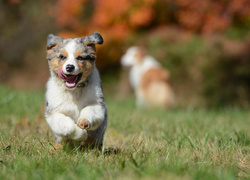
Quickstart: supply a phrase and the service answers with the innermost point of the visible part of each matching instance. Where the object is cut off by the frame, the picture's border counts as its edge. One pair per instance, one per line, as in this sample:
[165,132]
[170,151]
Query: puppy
[149,80]
[75,106]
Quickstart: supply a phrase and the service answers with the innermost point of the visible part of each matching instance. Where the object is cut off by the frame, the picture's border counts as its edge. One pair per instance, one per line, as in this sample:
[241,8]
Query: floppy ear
[53,40]
[52,43]
[94,38]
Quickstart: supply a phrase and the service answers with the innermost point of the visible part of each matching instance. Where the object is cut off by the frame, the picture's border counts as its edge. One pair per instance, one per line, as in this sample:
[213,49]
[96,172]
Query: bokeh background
[204,44]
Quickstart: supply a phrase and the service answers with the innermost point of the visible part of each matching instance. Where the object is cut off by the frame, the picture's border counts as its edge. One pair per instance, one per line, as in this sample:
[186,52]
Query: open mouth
[70,80]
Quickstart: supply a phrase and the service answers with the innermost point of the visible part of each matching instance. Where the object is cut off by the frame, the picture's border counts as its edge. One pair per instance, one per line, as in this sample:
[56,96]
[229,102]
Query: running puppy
[149,80]
[75,106]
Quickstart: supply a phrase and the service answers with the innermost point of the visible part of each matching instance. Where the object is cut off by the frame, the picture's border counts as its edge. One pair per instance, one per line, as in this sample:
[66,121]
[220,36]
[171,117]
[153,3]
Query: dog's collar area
[83,84]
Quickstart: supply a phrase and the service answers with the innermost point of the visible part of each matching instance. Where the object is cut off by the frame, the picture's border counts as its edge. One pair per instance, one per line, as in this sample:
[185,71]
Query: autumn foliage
[118,19]
[115,19]
[210,16]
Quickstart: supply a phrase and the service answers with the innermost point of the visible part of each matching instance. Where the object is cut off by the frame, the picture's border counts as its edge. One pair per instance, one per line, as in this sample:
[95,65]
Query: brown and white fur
[75,106]
[149,80]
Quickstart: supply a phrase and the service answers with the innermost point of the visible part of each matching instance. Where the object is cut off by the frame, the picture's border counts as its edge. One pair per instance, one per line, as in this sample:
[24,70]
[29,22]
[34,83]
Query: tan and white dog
[148,79]
[75,106]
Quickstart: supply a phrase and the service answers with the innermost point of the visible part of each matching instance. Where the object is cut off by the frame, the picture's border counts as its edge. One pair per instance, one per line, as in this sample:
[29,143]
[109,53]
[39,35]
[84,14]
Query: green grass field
[181,143]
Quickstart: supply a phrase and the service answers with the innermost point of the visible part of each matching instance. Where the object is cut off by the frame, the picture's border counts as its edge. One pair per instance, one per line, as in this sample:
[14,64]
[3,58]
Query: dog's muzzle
[70,80]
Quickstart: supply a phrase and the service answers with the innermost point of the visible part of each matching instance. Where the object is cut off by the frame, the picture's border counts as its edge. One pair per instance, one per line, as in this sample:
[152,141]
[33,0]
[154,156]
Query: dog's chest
[75,103]
[70,103]
[134,76]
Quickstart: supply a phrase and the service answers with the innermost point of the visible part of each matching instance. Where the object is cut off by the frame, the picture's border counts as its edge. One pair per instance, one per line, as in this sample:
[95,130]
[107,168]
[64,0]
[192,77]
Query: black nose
[70,68]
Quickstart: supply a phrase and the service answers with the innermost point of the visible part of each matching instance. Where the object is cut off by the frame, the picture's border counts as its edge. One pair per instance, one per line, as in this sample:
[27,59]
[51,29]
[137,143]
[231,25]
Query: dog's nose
[70,68]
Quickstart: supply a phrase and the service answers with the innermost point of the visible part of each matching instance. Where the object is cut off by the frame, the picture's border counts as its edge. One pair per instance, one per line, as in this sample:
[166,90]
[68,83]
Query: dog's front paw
[83,123]
[80,134]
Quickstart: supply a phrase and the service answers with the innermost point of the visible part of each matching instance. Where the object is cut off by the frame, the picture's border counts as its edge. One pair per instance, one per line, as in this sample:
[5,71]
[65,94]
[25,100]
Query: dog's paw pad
[83,123]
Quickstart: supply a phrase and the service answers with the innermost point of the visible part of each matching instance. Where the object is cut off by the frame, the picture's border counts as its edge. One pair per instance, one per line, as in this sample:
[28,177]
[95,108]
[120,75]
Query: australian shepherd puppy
[149,80]
[75,106]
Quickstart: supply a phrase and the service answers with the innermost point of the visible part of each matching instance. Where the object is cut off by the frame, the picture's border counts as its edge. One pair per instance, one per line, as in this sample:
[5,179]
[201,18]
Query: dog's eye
[62,57]
[82,58]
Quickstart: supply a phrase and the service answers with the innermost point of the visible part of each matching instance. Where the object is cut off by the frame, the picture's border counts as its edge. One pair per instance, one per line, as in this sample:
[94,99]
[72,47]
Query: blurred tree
[118,19]
[210,16]
[23,24]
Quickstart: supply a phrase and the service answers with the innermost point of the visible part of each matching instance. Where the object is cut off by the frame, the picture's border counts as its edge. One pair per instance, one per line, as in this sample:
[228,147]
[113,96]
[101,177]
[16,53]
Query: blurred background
[204,44]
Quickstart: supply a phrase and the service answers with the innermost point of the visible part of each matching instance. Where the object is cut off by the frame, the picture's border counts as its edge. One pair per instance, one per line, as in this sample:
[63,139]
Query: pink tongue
[70,84]
[70,79]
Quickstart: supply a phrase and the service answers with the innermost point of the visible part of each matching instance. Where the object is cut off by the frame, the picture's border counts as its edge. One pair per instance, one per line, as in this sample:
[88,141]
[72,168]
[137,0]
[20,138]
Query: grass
[179,143]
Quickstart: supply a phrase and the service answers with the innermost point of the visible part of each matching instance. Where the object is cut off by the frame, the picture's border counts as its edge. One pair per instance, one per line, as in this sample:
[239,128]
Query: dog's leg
[64,127]
[92,116]
[140,100]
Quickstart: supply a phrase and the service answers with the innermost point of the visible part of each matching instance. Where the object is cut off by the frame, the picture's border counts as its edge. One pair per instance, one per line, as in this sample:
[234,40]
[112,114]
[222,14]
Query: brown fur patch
[86,68]
[64,52]
[155,87]
[154,75]
[55,63]
[91,48]
[78,52]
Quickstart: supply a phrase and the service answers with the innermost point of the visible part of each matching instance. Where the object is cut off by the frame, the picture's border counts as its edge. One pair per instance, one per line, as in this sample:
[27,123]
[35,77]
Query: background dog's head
[72,60]
[133,56]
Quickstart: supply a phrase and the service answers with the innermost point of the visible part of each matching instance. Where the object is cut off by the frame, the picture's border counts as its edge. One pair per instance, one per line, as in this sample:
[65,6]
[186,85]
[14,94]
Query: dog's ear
[94,38]
[53,41]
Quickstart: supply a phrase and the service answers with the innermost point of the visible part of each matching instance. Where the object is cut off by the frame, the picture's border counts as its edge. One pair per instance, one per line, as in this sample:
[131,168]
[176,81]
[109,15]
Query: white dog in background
[75,106]
[148,79]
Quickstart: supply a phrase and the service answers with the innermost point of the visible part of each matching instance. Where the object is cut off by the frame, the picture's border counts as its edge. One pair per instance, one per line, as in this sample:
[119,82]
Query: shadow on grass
[72,147]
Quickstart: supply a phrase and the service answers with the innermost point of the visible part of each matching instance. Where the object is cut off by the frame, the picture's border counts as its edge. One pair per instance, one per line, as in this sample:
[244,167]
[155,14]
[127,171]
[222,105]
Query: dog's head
[133,56]
[72,60]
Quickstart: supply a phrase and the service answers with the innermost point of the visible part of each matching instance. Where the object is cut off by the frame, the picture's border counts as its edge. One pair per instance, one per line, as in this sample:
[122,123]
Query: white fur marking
[71,48]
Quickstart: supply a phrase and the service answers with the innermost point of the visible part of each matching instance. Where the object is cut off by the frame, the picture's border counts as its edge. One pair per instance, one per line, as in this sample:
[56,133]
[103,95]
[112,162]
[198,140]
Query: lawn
[180,143]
